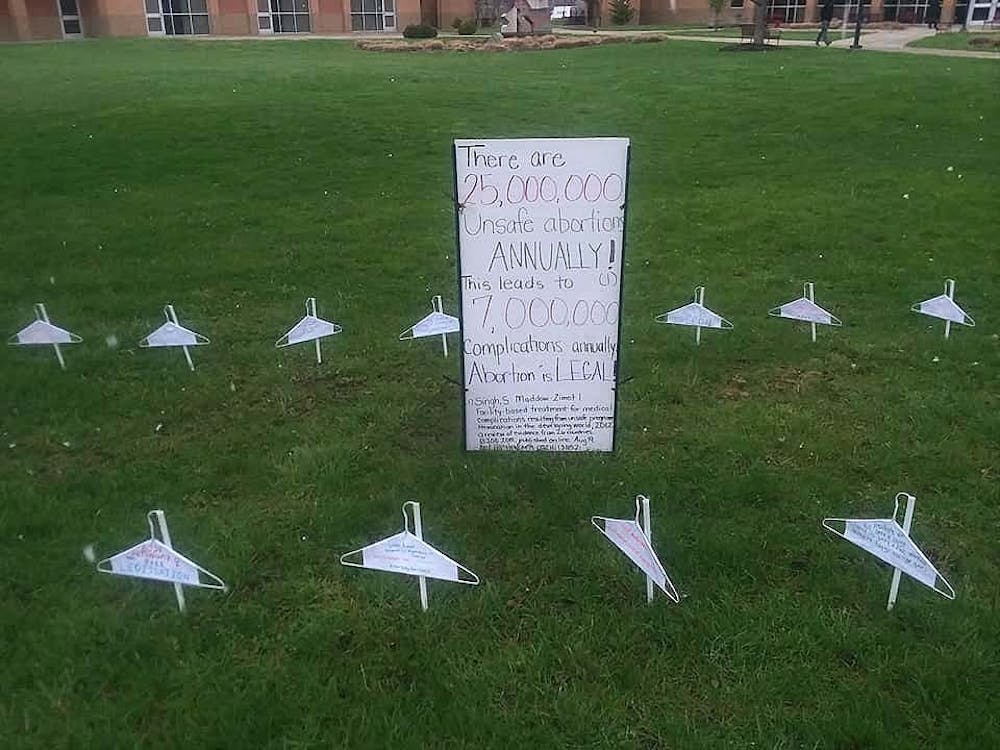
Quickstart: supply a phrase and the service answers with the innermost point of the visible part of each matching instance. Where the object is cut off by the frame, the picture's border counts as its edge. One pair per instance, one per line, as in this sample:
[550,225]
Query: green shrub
[457,23]
[419,31]
[468,26]
[621,12]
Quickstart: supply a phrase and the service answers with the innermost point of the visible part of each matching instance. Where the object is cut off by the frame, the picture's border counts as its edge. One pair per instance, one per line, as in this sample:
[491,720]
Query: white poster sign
[310,328]
[635,541]
[541,227]
[945,308]
[173,334]
[407,553]
[884,538]
[156,559]
[42,332]
[438,322]
[805,308]
[695,314]
[153,559]
[888,541]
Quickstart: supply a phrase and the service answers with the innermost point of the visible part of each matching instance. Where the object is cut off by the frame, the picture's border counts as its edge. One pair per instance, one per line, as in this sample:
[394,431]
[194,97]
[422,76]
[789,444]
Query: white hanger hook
[406,516]
[638,506]
[899,496]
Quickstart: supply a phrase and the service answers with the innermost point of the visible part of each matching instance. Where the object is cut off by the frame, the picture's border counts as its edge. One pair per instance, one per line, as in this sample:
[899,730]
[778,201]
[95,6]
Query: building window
[786,11]
[373,15]
[176,17]
[735,3]
[286,16]
[904,11]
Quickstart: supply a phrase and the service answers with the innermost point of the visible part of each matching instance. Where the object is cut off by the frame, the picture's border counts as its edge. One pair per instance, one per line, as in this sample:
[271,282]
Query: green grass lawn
[236,179]
[976,41]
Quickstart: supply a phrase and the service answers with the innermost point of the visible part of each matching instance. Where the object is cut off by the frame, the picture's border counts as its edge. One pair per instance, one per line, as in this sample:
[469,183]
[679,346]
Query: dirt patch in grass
[790,379]
[511,44]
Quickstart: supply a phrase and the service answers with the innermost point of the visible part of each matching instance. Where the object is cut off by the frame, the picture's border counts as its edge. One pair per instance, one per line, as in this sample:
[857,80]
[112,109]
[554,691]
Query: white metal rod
[947,329]
[813,331]
[187,356]
[911,502]
[59,356]
[319,355]
[444,343]
[418,531]
[697,335]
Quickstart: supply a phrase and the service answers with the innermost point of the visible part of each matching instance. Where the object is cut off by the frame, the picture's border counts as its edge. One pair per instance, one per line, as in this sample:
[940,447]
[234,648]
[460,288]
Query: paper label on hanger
[40,332]
[807,310]
[171,334]
[628,537]
[153,559]
[309,328]
[404,553]
[693,314]
[885,539]
[434,324]
[943,307]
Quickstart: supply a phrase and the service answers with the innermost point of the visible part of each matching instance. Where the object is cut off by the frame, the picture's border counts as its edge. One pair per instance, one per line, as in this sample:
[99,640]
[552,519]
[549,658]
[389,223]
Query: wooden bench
[771,34]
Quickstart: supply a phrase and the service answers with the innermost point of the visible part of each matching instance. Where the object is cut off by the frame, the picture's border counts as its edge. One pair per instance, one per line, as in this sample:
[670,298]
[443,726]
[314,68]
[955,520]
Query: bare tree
[716,6]
[759,22]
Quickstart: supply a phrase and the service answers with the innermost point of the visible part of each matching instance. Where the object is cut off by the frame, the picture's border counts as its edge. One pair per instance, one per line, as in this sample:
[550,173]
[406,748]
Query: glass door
[69,14]
[981,12]
[154,18]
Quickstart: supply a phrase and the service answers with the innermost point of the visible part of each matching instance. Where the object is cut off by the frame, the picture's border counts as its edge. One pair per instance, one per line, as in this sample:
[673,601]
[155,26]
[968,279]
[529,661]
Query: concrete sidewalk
[875,40]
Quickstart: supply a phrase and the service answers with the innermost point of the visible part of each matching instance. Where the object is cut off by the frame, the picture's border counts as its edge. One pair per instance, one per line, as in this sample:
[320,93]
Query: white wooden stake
[40,311]
[911,503]
[949,289]
[811,294]
[700,295]
[438,306]
[647,529]
[418,532]
[161,521]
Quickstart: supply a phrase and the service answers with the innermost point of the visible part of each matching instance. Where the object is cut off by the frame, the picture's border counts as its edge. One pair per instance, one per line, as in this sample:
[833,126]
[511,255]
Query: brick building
[67,19]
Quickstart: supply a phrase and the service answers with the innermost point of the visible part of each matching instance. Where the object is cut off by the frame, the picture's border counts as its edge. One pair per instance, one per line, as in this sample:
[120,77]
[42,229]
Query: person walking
[933,14]
[825,17]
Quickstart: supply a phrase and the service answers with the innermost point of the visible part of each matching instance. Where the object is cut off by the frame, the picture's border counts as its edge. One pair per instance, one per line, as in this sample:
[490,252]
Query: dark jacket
[826,12]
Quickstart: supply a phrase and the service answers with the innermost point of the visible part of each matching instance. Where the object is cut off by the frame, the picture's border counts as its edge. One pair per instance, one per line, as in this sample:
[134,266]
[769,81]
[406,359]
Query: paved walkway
[879,40]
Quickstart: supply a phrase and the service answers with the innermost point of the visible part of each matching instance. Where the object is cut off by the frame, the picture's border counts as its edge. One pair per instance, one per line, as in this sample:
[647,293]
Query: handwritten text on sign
[886,540]
[152,559]
[540,228]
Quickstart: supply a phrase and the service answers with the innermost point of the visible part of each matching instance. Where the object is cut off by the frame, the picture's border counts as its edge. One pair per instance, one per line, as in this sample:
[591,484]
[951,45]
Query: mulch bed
[508,44]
